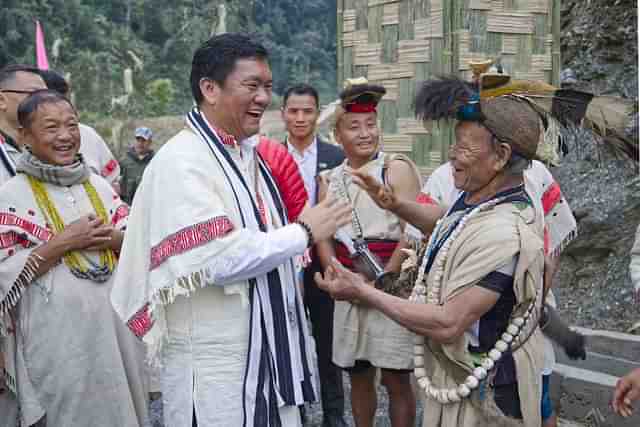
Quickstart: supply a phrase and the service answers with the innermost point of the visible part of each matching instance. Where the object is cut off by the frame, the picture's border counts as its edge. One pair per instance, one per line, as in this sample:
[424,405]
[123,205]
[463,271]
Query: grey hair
[516,165]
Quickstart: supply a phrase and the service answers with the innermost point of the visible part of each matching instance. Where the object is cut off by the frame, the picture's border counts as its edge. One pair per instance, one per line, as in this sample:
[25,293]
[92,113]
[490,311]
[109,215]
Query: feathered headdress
[506,107]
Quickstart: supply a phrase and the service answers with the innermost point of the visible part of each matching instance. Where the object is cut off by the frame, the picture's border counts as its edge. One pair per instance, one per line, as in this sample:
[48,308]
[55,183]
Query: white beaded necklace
[434,296]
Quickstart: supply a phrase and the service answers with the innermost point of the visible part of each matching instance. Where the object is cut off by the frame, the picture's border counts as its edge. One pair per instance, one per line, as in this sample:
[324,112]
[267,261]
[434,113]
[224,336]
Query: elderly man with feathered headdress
[478,287]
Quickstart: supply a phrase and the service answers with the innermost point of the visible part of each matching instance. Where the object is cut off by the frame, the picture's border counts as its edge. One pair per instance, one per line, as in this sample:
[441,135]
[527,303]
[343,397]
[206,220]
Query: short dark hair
[8,72]
[216,58]
[55,81]
[301,89]
[29,106]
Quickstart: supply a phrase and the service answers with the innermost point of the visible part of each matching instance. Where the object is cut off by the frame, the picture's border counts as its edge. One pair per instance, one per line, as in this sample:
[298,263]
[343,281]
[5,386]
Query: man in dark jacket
[134,162]
[300,111]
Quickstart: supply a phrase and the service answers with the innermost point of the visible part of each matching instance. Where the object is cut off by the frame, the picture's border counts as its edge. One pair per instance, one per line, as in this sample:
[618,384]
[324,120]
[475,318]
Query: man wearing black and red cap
[365,339]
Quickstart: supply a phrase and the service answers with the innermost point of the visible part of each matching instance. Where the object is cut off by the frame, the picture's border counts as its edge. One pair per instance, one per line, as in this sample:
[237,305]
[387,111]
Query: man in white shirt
[300,112]
[206,276]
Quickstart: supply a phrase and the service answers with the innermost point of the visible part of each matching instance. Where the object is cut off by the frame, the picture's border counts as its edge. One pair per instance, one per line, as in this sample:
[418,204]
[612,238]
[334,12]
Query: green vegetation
[93,42]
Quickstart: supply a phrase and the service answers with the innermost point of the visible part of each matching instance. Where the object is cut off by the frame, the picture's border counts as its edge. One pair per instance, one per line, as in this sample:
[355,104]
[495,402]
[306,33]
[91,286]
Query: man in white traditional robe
[207,278]
[69,360]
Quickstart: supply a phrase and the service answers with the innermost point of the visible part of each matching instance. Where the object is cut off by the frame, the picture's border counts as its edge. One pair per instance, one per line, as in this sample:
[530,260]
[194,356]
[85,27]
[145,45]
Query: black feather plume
[440,98]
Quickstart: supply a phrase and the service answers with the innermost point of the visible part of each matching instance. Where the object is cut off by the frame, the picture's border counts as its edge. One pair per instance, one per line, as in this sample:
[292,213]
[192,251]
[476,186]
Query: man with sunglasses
[16,83]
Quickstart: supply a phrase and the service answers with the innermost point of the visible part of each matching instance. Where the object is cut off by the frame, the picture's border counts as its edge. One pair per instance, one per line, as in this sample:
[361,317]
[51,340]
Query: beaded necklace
[524,324]
[80,265]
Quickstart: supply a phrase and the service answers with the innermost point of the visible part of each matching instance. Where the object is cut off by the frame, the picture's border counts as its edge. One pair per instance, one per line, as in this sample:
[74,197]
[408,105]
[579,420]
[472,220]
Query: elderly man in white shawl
[207,277]
[69,360]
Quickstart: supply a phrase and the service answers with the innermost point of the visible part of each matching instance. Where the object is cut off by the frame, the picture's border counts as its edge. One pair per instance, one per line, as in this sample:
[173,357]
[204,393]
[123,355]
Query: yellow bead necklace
[79,264]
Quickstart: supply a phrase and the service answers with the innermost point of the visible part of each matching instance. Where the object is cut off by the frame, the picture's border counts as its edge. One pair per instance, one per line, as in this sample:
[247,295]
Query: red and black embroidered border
[11,238]
[121,213]
[189,238]
[551,197]
[35,230]
[141,322]
[109,168]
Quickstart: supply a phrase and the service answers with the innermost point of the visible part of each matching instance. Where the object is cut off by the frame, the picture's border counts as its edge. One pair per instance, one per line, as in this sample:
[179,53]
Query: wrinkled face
[299,115]
[14,91]
[358,134]
[240,102]
[141,146]
[53,135]
[473,158]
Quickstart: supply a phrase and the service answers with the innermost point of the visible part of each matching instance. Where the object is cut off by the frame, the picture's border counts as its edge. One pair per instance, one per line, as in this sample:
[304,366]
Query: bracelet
[307,230]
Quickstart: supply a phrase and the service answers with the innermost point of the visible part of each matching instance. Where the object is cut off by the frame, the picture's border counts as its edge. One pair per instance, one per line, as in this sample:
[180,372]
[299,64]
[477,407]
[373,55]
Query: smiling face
[53,134]
[300,114]
[238,105]
[359,136]
[474,160]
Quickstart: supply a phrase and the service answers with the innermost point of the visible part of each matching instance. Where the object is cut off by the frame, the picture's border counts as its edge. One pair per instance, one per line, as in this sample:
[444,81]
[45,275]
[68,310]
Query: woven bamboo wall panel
[497,5]
[538,6]
[353,38]
[397,143]
[392,87]
[414,51]
[379,2]
[367,54]
[391,14]
[390,71]
[541,62]
[465,54]
[429,28]
[510,43]
[399,43]
[435,157]
[411,126]
[510,23]
[480,4]
[530,75]
[349,20]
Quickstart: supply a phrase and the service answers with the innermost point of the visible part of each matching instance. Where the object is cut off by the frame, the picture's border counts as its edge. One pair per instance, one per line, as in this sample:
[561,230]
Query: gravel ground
[314,412]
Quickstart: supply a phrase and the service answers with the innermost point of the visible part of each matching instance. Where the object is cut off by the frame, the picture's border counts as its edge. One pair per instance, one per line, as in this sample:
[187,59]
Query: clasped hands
[342,284]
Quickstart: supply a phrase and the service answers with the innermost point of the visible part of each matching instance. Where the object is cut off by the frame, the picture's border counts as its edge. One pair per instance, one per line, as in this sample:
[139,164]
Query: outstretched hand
[381,194]
[326,217]
[340,283]
[627,391]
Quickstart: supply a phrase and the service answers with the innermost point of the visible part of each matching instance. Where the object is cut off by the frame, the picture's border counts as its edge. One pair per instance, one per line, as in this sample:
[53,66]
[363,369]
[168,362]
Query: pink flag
[41,50]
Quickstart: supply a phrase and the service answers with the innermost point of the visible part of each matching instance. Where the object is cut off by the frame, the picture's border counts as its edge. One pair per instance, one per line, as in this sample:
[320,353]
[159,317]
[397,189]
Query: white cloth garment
[308,165]
[187,262]
[97,154]
[71,358]
[8,404]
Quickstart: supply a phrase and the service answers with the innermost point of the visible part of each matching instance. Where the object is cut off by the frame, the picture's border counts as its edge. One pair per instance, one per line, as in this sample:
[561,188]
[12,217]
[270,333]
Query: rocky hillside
[599,43]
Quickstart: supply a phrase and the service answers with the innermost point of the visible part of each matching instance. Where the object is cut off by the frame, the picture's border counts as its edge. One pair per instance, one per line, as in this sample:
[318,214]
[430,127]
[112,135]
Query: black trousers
[320,308]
